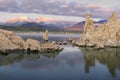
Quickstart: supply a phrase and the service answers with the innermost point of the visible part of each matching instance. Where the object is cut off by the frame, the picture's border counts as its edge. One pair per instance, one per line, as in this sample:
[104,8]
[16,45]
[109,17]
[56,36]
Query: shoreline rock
[10,42]
[106,35]
[50,47]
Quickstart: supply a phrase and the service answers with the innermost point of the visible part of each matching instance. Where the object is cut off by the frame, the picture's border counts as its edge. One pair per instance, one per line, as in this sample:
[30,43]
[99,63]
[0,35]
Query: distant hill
[17,21]
[100,21]
[76,27]
[24,23]
[79,26]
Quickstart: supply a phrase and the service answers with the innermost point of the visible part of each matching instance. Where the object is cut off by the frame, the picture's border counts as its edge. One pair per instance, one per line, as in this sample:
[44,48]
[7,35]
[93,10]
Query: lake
[73,63]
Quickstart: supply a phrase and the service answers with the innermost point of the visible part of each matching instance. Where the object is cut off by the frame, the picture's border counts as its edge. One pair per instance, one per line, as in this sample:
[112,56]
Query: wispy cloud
[59,7]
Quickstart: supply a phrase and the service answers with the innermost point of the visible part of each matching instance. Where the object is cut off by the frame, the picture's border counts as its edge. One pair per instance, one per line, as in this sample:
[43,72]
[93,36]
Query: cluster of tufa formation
[50,47]
[9,41]
[106,35]
[45,36]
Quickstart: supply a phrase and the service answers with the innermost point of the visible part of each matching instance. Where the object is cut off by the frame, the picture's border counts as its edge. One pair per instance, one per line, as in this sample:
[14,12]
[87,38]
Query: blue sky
[58,8]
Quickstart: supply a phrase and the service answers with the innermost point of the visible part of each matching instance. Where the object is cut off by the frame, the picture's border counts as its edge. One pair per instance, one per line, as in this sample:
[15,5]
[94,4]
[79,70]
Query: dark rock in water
[64,43]
[4,53]
[60,42]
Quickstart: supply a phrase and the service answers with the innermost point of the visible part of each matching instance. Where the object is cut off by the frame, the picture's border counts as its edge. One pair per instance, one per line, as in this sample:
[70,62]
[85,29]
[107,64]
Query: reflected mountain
[110,57]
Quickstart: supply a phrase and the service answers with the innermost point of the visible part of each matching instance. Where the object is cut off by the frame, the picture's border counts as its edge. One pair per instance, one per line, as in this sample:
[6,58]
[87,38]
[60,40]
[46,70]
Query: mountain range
[79,26]
[42,23]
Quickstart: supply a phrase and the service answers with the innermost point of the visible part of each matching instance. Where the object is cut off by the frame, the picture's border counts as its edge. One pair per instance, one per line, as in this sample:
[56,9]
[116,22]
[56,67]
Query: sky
[58,9]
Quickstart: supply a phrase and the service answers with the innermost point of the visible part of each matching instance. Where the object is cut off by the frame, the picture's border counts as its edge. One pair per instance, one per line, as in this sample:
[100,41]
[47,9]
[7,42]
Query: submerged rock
[107,34]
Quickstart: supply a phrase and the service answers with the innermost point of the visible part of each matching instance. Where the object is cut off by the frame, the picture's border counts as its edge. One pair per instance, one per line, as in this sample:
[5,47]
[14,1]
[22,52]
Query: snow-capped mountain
[18,21]
[43,23]
[46,23]
[61,23]
[37,24]
[44,19]
[39,21]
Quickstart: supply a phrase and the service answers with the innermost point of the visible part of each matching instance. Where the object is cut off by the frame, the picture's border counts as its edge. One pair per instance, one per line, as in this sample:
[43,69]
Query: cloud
[93,6]
[55,7]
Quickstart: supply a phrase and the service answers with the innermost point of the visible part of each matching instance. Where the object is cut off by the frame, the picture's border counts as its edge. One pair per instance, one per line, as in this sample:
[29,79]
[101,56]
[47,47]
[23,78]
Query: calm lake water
[72,63]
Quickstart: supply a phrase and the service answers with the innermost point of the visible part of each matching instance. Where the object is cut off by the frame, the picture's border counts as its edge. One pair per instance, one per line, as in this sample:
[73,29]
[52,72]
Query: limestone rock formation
[45,35]
[107,34]
[89,26]
[9,41]
[70,39]
[50,46]
[32,45]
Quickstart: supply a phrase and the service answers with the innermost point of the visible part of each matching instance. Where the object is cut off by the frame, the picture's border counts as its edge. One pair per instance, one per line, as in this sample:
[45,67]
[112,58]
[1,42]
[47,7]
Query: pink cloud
[56,7]
[92,6]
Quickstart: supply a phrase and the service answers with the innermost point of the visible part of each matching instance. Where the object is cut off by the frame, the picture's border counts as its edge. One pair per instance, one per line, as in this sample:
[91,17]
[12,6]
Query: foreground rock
[50,47]
[32,45]
[106,35]
[9,42]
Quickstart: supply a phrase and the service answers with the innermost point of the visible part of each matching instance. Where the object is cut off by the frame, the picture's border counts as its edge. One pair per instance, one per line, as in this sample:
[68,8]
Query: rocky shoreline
[9,41]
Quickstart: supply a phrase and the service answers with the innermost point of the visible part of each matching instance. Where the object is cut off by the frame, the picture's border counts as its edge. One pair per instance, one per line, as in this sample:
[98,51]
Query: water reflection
[68,64]
[13,58]
[109,57]
[50,55]
[18,56]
